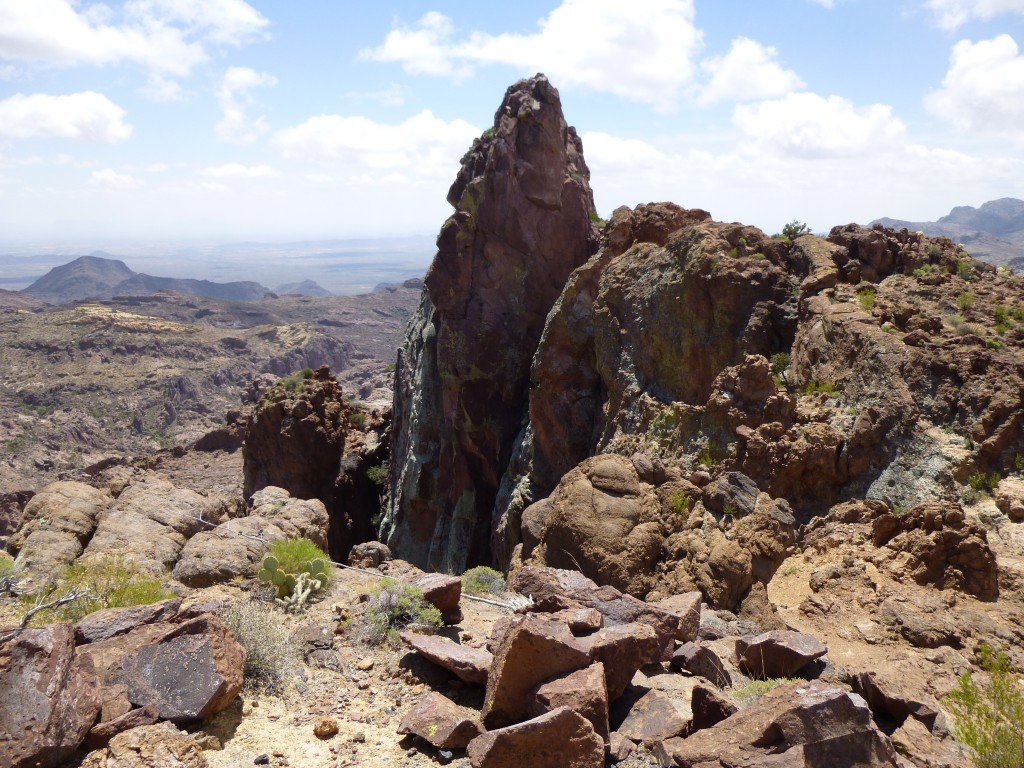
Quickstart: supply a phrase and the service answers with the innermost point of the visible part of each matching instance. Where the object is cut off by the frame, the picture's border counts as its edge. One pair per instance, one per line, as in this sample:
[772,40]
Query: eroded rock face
[522,224]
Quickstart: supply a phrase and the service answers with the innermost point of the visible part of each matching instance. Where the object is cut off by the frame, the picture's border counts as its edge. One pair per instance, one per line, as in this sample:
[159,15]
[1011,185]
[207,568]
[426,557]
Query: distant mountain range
[305,288]
[96,277]
[994,232]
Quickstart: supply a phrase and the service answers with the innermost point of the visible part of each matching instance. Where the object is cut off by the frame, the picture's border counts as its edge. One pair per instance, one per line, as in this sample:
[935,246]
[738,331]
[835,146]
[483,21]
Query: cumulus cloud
[166,36]
[235,97]
[810,126]
[642,51]
[239,170]
[748,72]
[423,146]
[951,14]
[86,116]
[984,88]
[111,179]
[160,88]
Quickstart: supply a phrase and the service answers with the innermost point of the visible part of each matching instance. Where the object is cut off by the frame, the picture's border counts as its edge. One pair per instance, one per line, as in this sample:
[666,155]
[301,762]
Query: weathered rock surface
[656,716]
[443,592]
[522,224]
[559,739]
[584,691]
[702,661]
[441,722]
[797,724]
[151,746]
[468,663]
[48,697]
[780,653]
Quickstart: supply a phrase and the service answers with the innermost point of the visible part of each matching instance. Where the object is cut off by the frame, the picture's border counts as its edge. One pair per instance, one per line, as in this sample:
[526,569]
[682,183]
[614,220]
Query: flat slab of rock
[469,664]
[533,649]
[110,622]
[584,691]
[559,739]
[101,734]
[781,653]
[48,697]
[442,722]
[702,661]
[623,649]
[802,725]
[656,716]
[192,671]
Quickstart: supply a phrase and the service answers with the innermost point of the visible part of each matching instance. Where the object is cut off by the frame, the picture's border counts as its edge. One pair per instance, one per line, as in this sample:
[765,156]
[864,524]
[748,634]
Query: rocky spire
[522,224]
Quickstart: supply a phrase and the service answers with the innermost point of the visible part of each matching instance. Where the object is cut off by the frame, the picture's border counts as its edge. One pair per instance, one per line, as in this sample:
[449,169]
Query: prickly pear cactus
[294,589]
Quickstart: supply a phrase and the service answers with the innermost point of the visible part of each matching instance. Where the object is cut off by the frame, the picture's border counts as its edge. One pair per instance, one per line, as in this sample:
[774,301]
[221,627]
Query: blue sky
[272,120]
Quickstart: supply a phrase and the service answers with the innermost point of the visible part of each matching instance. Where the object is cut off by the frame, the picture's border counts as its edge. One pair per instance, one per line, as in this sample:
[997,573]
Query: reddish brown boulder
[48,697]
[559,739]
[522,225]
[623,649]
[534,649]
[687,607]
[441,722]
[890,696]
[781,653]
[101,733]
[702,661]
[443,592]
[656,716]
[709,707]
[110,622]
[619,748]
[468,663]
[803,725]
[584,691]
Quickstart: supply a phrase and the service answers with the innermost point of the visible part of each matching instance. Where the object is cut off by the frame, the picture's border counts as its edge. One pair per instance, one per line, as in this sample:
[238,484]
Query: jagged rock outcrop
[522,224]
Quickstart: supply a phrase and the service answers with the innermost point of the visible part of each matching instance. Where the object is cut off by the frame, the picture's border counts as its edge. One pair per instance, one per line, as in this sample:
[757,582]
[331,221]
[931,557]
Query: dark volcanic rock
[559,739]
[522,224]
[442,722]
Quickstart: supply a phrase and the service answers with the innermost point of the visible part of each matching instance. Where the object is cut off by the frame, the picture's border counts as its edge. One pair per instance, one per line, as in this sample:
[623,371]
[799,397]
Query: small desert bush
[272,654]
[984,482]
[755,689]
[294,382]
[815,387]
[293,555]
[357,419]
[482,580]
[964,301]
[989,716]
[391,606]
[934,251]
[6,567]
[377,475]
[103,582]
[866,298]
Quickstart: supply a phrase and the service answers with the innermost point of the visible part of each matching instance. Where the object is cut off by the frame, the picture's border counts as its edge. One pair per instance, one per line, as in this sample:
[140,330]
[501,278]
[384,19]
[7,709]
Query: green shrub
[392,606]
[6,567]
[482,580]
[989,716]
[294,382]
[866,298]
[294,554]
[272,653]
[679,503]
[934,250]
[795,228]
[1000,315]
[377,475]
[357,419]
[984,483]
[705,459]
[780,362]
[755,689]
[1017,313]
[993,344]
[964,301]
[815,387]
[105,582]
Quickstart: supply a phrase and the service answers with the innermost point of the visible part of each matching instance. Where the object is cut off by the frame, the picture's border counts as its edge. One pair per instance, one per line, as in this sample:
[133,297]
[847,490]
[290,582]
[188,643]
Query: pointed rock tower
[522,224]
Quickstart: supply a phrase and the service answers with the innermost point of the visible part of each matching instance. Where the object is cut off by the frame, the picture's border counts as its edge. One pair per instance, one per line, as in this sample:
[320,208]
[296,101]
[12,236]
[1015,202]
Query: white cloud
[239,170]
[163,89]
[392,96]
[984,88]
[236,127]
[111,179]
[607,153]
[165,36]
[951,14]
[810,126]
[642,51]
[748,72]
[825,3]
[86,116]
[423,146]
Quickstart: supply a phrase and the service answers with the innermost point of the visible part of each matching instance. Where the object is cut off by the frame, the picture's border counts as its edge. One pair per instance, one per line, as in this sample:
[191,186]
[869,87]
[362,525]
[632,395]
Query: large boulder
[584,691]
[465,662]
[561,738]
[48,697]
[56,525]
[779,653]
[441,722]
[151,746]
[522,224]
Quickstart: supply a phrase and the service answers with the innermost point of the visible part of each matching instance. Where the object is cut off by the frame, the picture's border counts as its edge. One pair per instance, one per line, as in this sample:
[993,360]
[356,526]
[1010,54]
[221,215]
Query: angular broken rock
[444,592]
[110,622]
[534,649]
[101,734]
[469,664]
[709,707]
[889,696]
[803,725]
[623,649]
[687,607]
[559,739]
[151,746]
[618,609]
[191,672]
[48,697]
[584,691]
[702,661]
[656,716]
[442,722]
[781,653]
